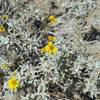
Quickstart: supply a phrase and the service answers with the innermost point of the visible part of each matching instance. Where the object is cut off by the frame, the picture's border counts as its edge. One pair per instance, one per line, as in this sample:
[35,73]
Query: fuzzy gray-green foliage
[42,76]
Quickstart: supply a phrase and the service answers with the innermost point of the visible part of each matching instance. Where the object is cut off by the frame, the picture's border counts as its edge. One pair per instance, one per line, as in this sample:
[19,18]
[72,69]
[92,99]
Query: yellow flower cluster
[2,28]
[4,66]
[50,48]
[52,19]
[5,17]
[13,83]
[51,38]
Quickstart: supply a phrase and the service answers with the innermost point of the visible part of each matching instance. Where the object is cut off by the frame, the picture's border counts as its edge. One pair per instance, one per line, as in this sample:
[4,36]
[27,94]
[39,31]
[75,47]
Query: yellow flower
[52,19]
[13,83]
[2,28]
[5,17]
[4,66]
[51,38]
[50,48]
